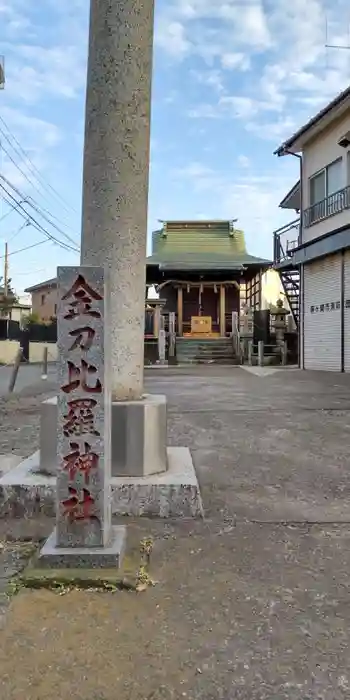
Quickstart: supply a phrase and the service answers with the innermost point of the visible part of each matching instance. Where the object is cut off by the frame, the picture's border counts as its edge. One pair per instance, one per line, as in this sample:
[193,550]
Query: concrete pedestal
[139,432]
[107,557]
[48,437]
[25,492]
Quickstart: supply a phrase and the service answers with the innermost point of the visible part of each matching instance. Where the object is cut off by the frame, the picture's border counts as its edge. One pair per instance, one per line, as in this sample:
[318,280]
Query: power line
[21,250]
[36,224]
[37,208]
[30,272]
[13,209]
[37,173]
[61,243]
[31,184]
[26,223]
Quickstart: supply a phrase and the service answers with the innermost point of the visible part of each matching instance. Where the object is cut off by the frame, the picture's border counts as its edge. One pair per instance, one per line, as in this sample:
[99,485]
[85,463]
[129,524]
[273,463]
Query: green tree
[7,300]
[31,319]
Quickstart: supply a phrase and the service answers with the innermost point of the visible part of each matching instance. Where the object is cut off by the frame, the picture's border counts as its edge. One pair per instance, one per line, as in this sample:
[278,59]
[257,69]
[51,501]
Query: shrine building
[202,272]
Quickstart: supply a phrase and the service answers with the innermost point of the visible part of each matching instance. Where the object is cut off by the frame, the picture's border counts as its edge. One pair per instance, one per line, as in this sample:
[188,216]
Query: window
[326,182]
[317,188]
[335,180]
[43,297]
[326,192]
[55,309]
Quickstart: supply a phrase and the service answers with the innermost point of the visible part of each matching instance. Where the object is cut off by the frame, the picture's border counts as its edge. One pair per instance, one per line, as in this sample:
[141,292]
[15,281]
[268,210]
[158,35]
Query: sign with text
[84,453]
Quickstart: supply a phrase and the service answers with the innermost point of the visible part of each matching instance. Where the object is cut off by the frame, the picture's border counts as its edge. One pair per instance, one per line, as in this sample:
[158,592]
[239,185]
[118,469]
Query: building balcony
[285,240]
[330,206]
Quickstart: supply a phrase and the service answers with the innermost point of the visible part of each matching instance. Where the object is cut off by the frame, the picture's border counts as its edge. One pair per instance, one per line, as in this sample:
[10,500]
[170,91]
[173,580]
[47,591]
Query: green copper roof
[201,245]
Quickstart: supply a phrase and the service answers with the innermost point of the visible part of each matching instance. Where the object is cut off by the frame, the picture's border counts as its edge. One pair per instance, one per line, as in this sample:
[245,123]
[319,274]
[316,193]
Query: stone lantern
[279,315]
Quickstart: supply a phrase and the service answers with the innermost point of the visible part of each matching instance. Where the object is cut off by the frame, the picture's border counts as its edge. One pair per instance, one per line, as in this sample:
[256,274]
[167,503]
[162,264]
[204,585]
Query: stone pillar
[156,321]
[83,534]
[179,311]
[250,352]
[235,334]
[162,346]
[284,353]
[172,335]
[222,310]
[261,353]
[115,179]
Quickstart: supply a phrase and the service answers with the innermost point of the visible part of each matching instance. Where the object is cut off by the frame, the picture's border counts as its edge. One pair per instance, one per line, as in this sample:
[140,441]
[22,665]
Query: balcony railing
[285,240]
[334,204]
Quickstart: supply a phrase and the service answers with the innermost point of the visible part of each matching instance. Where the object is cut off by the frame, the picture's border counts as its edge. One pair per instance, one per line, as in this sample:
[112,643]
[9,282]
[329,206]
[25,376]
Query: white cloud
[204,111]
[280,46]
[171,36]
[243,161]
[40,131]
[235,61]
[211,78]
[36,71]
[252,199]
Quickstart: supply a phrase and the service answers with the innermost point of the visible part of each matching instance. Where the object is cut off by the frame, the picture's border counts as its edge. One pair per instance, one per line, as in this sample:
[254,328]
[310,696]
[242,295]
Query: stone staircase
[205,351]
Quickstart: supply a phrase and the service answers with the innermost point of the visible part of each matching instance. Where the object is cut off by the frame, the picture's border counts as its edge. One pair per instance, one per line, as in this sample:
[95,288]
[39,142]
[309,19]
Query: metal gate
[347,311]
[322,327]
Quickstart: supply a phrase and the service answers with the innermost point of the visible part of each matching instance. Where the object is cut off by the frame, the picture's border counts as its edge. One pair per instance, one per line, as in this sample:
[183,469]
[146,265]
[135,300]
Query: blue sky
[232,79]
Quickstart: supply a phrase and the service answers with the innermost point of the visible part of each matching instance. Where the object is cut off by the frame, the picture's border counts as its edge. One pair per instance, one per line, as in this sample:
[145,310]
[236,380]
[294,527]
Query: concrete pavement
[27,376]
[250,604]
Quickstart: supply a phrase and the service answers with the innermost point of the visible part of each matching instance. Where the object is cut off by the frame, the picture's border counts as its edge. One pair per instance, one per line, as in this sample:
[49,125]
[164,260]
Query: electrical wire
[13,209]
[21,250]
[38,210]
[33,220]
[35,223]
[36,172]
[26,223]
[32,184]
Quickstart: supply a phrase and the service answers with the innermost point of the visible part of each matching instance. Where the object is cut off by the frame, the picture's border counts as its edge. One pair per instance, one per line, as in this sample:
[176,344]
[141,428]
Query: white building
[319,249]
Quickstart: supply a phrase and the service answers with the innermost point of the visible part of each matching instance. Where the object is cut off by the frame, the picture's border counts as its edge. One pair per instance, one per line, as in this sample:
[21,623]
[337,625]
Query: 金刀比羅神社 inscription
[81,407]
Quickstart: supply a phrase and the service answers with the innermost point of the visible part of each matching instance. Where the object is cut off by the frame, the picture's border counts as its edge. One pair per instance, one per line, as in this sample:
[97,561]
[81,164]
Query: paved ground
[253,603]
[28,376]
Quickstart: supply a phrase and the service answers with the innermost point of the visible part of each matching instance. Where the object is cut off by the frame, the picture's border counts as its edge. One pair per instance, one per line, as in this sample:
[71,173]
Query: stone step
[207,361]
[205,351]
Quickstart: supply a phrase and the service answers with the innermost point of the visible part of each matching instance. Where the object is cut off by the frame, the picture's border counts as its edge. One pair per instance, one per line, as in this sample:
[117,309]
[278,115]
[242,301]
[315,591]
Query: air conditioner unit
[344,141]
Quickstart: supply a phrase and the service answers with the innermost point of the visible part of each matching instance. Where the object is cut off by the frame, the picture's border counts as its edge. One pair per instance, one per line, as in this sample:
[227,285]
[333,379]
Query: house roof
[316,124]
[201,245]
[19,305]
[292,200]
[42,285]
[204,261]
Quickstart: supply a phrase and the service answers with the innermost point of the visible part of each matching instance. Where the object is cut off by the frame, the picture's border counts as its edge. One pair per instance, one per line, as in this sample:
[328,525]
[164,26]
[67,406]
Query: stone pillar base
[139,433]
[25,492]
[48,437]
[108,557]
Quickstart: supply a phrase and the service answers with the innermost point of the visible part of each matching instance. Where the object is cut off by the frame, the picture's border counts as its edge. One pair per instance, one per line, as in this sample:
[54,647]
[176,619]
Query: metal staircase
[291,284]
[285,241]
